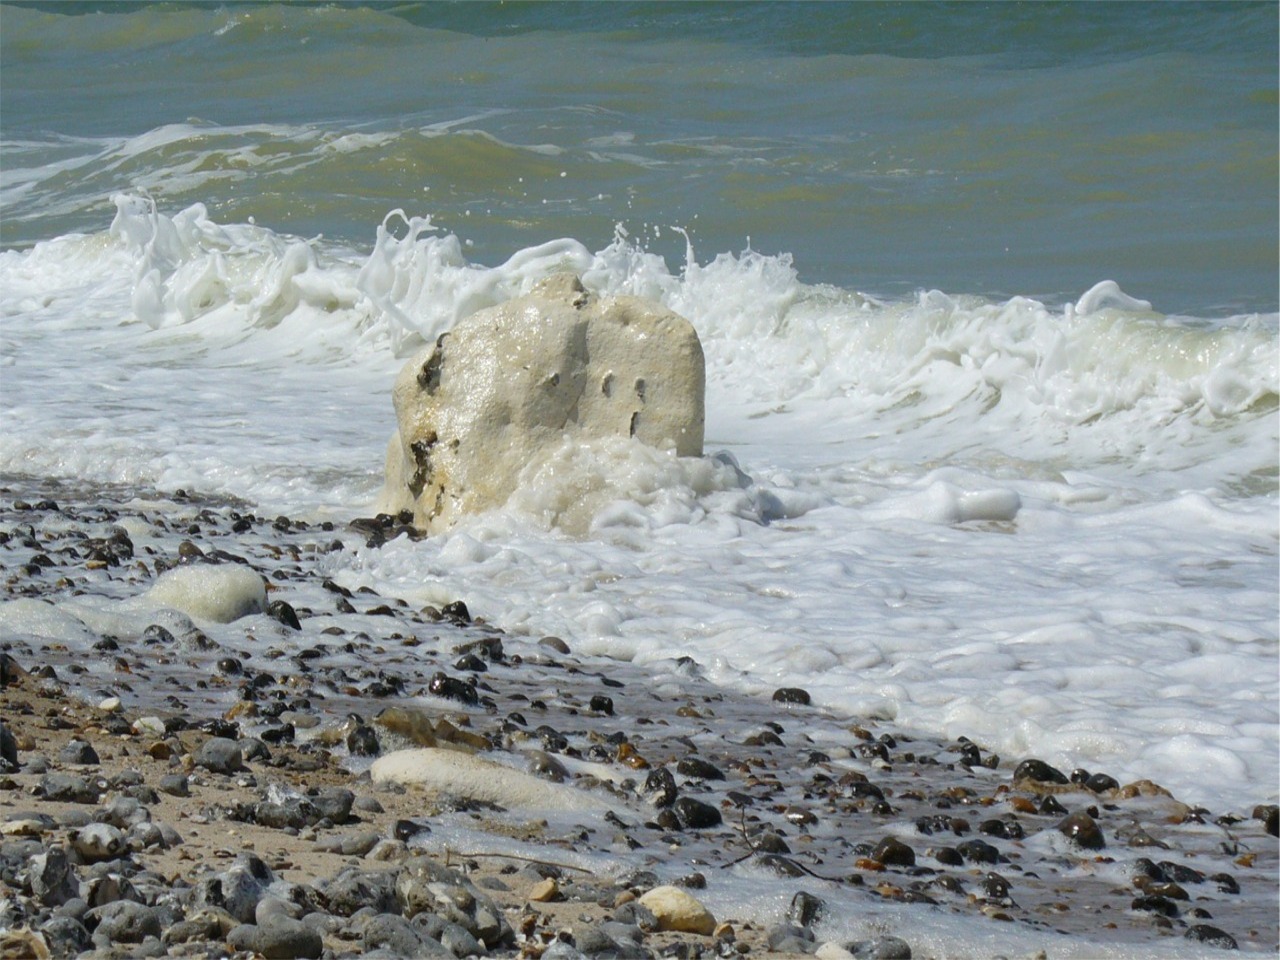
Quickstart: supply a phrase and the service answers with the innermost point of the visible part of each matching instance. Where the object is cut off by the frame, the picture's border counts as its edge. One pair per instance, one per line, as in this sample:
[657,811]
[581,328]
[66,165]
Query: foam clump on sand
[505,387]
[220,593]
[462,775]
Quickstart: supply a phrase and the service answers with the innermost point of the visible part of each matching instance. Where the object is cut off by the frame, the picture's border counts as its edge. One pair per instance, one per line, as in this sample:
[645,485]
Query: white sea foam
[1050,529]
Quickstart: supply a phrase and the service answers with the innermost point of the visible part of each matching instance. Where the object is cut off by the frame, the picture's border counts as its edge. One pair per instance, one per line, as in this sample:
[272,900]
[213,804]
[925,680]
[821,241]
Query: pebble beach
[178,786]
[955,634]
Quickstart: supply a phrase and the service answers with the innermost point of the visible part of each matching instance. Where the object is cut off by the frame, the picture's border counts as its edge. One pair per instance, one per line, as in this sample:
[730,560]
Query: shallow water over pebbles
[823,793]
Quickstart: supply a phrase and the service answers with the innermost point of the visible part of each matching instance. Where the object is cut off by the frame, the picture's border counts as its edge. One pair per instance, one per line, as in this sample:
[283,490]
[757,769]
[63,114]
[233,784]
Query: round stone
[696,815]
[893,852]
[791,695]
[1039,771]
[219,755]
[1083,829]
[1212,936]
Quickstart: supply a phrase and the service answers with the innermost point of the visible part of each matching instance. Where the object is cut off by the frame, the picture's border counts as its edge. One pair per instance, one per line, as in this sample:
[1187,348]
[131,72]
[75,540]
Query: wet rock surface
[183,789]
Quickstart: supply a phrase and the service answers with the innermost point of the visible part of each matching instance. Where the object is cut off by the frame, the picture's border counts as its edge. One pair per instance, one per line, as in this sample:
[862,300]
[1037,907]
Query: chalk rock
[218,592]
[679,911]
[99,841]
[507,384]
[470,777]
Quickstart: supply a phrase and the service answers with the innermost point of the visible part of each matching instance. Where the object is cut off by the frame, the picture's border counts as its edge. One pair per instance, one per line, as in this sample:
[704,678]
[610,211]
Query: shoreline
[761,800]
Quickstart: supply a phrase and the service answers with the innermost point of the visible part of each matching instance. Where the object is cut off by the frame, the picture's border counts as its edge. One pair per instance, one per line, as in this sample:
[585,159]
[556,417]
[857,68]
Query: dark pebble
[949,856]
[659,787]
[1180,873]
[1039,771]
[1226,883]
[770,842]
[219,755]
[471,663]
[805,909]
[1269,814]
[362,741]
[881,948]
[791,695]
[457,612]
[1212,936]
[68,788]
[452,689]
[1161,906]
[978,851]
[696,815]
[782,866]
[893,852]
[698,769]
[283,612]
[602,704]
[1083,829]
[1051,806]
[77,751]
[1101,783]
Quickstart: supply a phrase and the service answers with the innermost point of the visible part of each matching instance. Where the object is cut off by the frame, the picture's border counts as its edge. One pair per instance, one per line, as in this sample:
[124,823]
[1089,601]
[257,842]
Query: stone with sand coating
[505,387]
[678,911]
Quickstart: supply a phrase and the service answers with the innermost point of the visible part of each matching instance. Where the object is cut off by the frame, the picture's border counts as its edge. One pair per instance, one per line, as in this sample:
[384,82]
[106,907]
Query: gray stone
[77,751]
[789,931]
[294,812]
[8,750]
[281,939]
[350,844]
[99,841]
[67,788]
[124,921]
[881,948]
[219,755]
[805,909]
[66,936]
[334,804]
[175,784]
[124,812]
[559,950]
[391,932]
[108,889]
[203,926]
[238,889]
[51,878]
[458,941]
[352,889]
[593,942]
[422,885]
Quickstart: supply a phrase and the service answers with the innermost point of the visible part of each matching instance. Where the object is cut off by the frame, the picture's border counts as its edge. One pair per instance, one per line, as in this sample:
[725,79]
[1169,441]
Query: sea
[988,294]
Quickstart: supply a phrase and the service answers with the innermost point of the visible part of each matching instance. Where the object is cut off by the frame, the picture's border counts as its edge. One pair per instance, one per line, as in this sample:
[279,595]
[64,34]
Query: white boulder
[461,775]
[218,592]
[507,385]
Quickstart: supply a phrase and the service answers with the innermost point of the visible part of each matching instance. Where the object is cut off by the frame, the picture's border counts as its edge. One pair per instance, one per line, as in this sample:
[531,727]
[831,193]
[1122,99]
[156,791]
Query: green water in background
[996,149]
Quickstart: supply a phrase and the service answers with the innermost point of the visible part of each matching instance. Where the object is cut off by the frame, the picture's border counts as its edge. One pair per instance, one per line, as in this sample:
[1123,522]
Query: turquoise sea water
[975,148]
